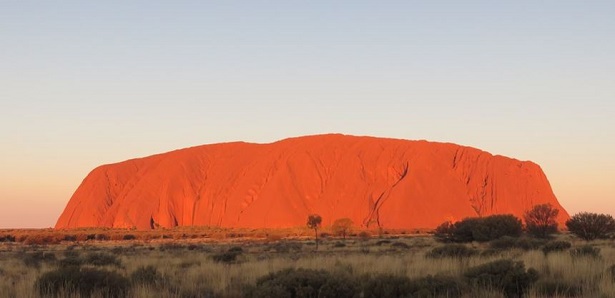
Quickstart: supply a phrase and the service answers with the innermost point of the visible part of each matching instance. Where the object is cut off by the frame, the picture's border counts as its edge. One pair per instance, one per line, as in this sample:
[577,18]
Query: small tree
[342,226]
[590,226]
[313,222]
[540,221]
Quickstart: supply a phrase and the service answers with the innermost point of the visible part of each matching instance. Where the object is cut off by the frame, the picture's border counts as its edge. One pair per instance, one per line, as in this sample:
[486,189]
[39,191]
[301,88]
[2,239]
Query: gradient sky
[84,83]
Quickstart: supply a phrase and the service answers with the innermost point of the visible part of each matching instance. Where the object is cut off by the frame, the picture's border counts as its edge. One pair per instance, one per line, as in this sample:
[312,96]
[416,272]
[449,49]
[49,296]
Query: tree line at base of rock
[540,222]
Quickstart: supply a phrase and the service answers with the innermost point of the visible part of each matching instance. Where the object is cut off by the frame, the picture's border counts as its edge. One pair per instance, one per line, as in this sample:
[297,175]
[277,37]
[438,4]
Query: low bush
[293,283]
[504,275]
[556,246]
[339,244]
[38,239]
[148,275]
[480,229]
[497,226]
[171,247]
[70,238]
[71,261]
[586,251]
[84,281]
[225,257]
[7,238]
[229,256]
[35,259]
[446,232]
[451,251]
[557,288]
[340,285]
[129,237]
[102,237]
[236,249]
[102,259]
[590,226]
[286,246]
[387,285]
[436,286]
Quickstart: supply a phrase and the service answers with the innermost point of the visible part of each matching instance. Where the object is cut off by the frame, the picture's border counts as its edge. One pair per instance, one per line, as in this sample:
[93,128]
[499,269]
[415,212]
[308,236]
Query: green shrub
[35,259]
[171,247]
[148,275]
[85,281]
[70,238]
[286,246]
[497,226]
[340,285]
[102,259]
[71,261]
[7,238]
[102,237]
[236,249]
[556,246]
[586,251]
[339,244]
[121,250]
[436,286]
[445,232]
[229,256]
[387,285]
[225,257]
[292,283]
[452,251]
[557,288]
[129,237]
[590,226]
[480,229]
[504,275]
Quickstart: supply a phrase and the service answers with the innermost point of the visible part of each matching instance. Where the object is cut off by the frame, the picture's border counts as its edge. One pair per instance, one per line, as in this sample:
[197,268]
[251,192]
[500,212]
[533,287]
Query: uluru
[376,182]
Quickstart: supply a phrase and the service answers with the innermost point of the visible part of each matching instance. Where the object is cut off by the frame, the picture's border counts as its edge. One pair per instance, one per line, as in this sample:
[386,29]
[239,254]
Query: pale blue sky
[85,83]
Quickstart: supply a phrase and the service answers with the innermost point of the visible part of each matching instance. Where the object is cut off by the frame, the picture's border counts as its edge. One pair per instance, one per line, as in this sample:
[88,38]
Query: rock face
[375,182]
